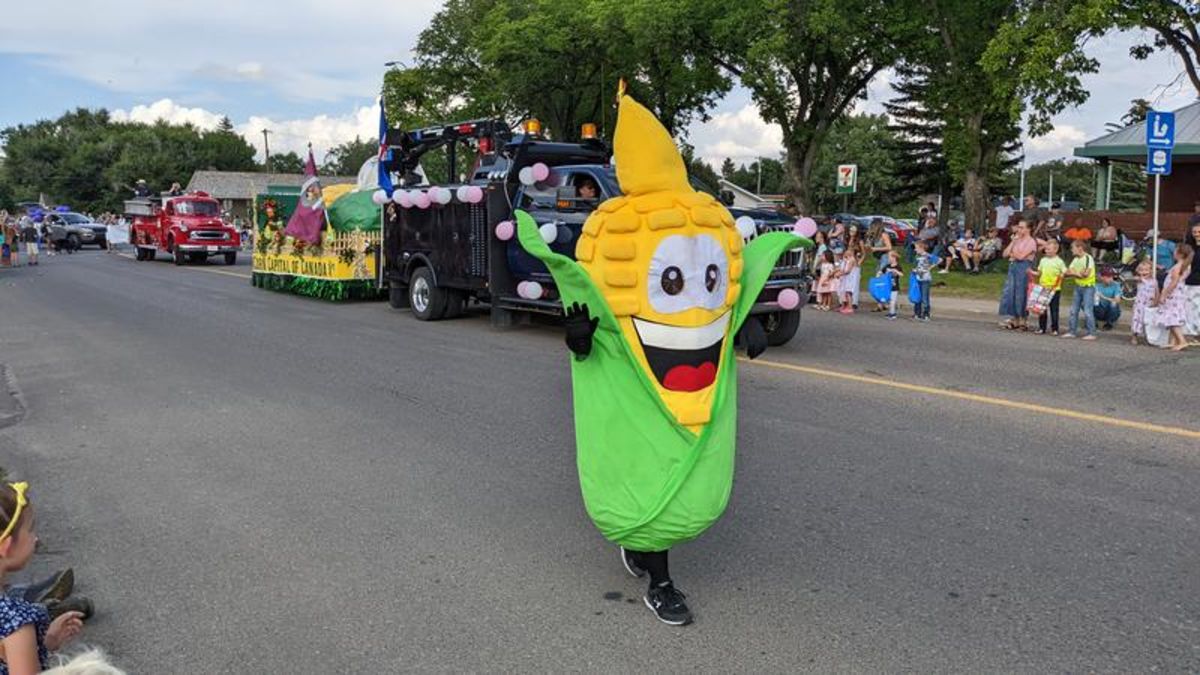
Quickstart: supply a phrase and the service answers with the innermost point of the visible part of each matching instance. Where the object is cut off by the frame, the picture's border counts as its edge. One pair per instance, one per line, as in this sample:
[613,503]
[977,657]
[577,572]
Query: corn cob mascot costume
[662,285]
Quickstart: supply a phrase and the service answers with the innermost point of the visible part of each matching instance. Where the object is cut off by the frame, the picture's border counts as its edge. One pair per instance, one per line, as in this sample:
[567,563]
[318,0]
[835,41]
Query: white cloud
[167,110]
[287,135]
[740,134]
[1060,141]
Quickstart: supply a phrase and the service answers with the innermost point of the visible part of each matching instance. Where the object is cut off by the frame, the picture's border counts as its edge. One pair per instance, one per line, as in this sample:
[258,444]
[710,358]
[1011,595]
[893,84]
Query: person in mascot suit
[661,284]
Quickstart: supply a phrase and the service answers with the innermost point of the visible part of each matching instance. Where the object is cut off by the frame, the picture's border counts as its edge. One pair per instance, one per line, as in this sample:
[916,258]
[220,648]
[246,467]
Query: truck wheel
[231,258]
[456,304]
[427,300]
[151,253]
[397,296]
[180,256]
[781,327]
[139,254]
[73,243]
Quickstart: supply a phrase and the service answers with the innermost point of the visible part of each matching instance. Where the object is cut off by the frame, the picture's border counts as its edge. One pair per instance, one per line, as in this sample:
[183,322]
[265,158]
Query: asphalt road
[252,482]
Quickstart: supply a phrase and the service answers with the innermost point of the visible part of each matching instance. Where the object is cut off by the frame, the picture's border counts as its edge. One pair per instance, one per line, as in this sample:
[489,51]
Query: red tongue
[690,378]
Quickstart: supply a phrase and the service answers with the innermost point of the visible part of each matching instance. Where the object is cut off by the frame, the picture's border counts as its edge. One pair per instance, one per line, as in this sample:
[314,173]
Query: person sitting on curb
[1108,299]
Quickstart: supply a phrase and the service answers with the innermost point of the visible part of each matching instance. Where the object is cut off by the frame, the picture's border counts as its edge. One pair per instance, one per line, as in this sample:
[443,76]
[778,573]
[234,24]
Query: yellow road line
[201,269]
[979,398]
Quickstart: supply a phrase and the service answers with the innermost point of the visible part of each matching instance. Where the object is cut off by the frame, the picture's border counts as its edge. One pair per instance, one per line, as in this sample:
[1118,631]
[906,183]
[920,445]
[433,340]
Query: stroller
[1131,253]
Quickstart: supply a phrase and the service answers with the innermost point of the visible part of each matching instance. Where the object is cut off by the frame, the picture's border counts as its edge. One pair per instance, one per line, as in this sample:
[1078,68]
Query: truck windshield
[196,208]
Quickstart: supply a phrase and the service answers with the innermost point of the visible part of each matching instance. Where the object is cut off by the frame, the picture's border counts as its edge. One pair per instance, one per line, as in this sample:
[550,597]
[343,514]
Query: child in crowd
[1146,293]
[1108,299]
[893,268]
[1172,305]
[26,633]
[967,249]
[1051,269]
[924,279]
[826,282]
[849,278]
[1083,270]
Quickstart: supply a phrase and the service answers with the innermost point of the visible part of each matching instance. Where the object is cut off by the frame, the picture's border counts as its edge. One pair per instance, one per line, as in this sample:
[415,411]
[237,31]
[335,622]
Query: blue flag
[385,178]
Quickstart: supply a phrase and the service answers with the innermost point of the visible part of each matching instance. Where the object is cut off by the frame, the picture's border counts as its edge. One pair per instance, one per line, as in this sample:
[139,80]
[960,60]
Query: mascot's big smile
[683,358]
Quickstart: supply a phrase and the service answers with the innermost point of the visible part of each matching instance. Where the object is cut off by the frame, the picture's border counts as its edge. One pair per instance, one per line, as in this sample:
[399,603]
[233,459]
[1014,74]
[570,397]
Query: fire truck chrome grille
[213,235]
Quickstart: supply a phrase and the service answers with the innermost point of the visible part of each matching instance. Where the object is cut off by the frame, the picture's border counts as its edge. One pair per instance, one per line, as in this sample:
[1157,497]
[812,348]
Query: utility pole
[758,161]
[267,149]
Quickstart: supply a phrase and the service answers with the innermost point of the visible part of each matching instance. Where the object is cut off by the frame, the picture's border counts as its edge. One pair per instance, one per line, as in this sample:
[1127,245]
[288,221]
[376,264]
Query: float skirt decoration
[342,269]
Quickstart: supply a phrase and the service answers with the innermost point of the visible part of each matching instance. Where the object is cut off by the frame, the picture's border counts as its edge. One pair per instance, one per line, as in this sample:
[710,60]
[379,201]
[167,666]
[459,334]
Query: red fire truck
[188,227]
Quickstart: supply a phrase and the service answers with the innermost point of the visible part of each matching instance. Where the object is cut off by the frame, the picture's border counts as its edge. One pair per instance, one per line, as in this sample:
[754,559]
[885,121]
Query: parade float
[320,243]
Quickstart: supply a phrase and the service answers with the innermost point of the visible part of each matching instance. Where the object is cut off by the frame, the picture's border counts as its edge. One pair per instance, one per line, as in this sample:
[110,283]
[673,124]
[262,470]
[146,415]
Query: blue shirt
[1164,255]
[1108,292]
[15,613]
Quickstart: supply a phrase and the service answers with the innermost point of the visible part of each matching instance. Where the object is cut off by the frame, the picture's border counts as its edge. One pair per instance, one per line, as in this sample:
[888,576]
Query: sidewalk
[986,310]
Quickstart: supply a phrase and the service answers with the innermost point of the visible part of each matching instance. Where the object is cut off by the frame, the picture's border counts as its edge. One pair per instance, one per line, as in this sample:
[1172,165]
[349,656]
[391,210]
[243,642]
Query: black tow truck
[438,259]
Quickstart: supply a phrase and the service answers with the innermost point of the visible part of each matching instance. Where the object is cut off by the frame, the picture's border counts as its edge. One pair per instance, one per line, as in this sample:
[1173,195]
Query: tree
[1174,25]
[807,63]
[727,169]
[918,132]
[869,142]
[346,159]
[286,162]
[700,170]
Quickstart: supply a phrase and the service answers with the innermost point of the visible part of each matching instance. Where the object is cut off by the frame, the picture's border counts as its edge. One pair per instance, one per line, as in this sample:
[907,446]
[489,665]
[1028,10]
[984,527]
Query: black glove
[754,337]
[580,328]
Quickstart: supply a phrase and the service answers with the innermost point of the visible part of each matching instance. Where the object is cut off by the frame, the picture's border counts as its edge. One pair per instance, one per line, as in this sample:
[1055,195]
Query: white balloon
[549,232]
[462,193]
[530,290]
[746,227]
[398,196]
[526,176]
[379,197]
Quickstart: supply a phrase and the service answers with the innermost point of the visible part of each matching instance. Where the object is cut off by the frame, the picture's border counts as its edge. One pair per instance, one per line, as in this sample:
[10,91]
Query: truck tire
[427,300]
[397,296]
[139,254]
[151,253]
[456,304]
[231,258]
[781,327]
[180,256]
[73,243]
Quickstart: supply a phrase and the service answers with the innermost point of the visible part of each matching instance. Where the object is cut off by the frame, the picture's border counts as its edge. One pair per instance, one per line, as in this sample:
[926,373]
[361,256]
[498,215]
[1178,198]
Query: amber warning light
[588,131]
[533,127]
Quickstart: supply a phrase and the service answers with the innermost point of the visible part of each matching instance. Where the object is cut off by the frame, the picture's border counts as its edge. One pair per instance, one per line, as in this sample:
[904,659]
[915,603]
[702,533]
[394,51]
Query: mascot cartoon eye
[687,272]
[672,280]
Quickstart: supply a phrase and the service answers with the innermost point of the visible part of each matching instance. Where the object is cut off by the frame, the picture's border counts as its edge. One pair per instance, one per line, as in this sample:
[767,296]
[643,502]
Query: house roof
[739,190]
[247,184]
[1129,144]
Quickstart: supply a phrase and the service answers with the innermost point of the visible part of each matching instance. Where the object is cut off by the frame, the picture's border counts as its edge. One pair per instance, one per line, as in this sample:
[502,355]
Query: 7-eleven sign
[847,179]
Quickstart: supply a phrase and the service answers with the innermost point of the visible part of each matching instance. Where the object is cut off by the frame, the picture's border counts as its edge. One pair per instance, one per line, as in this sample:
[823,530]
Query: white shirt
[1003,214]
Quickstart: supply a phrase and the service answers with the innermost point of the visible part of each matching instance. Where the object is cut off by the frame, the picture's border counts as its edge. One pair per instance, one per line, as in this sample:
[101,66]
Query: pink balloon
[505,230]
[540,172]
[401,197]
[474,194]
[421,200]
[789,298]
[806,227]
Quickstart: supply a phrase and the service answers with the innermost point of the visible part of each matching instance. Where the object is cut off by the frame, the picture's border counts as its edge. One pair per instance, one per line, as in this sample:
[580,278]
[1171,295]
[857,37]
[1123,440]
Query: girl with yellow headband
[26,632]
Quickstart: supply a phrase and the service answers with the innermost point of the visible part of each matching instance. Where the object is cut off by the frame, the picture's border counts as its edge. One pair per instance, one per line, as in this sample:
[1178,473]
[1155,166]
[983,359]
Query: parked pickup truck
[438,259]
[187,227]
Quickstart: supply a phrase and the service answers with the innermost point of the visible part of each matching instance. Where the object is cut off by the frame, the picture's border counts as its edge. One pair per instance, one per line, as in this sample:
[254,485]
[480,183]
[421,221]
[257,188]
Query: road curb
[12,402]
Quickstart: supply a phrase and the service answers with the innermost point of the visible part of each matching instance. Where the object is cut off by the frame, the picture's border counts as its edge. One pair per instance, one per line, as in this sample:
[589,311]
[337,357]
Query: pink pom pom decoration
[805,227]
[789,298]
[505,230]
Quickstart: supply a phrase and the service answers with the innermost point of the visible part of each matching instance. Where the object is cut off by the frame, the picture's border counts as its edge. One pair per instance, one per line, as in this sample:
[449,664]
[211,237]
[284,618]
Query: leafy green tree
[919,130]
[287,162]
[807,63]
[727,169]
[347,158]
[869,142]
[1174,24]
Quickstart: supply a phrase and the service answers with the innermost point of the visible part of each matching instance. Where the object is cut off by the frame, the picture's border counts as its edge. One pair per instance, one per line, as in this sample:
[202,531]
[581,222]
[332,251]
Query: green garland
[323,289]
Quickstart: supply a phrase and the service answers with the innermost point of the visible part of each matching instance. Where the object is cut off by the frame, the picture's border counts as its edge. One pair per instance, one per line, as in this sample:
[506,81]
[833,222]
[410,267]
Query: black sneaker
[667,603]
[76,603]
[629,559]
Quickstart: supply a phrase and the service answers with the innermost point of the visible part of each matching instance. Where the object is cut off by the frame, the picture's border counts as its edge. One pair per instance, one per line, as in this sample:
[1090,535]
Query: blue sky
[310,71]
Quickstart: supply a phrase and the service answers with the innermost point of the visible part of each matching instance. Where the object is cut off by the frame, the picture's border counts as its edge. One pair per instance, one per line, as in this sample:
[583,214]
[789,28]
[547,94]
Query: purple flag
[309,219]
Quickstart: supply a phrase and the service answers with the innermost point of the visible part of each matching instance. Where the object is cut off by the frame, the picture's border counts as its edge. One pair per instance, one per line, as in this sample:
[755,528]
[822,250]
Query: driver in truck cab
[586,188]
